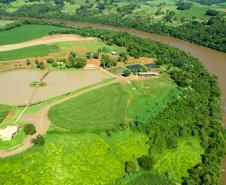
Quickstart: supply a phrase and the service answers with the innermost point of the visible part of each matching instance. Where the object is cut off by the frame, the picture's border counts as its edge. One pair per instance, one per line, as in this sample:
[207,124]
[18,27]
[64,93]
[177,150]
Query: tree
[145,162]
[212,12]
[39,140]
[29,129]
[79,63]
[183,5]
[126,72]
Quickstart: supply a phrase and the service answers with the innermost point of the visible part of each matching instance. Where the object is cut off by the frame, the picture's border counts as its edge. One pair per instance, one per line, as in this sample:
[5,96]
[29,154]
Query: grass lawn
[98,110]
[74,159]
[25,33]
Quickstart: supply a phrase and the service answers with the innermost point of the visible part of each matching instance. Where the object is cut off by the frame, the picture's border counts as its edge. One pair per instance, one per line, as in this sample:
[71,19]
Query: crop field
[82,158]
[29,52]
[97,110]
[25,33]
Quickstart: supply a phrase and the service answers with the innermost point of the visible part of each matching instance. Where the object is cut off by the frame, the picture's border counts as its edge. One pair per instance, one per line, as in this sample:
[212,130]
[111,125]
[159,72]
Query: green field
[33,51]
[86,159]
[98,110]
[25,33]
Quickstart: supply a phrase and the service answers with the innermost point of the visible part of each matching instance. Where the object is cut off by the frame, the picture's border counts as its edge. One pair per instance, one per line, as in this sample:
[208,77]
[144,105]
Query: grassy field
[86,159]
[98,110]
[29,52]
[25,33]
[149,97]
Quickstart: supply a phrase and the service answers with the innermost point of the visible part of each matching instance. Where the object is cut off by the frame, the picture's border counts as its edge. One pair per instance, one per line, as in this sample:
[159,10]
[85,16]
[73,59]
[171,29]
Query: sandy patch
[47,40]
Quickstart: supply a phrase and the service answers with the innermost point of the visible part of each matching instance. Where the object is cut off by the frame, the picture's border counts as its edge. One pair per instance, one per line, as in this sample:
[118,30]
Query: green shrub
[39,140]
[132,166]
[29,129]
[145,162]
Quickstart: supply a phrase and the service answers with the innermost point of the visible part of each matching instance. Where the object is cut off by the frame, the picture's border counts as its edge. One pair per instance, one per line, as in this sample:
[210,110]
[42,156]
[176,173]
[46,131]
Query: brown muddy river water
[16,90]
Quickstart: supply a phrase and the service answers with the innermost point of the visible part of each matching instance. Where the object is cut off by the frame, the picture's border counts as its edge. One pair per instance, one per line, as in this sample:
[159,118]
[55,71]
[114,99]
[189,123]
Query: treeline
[195,113]
[209,33]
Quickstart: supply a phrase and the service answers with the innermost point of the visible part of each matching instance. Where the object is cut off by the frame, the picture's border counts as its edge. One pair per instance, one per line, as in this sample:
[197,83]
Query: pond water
[16,89]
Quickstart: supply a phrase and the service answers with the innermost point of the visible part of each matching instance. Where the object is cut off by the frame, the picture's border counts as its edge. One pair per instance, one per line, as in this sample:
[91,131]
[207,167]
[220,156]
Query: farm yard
[80,124]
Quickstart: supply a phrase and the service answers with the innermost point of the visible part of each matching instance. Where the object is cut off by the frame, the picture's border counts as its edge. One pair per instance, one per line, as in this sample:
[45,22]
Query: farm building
[7,133]
[148,74]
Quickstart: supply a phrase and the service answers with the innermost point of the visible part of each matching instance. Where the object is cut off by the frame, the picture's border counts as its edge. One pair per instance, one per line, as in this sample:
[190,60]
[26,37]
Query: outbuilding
[148,74]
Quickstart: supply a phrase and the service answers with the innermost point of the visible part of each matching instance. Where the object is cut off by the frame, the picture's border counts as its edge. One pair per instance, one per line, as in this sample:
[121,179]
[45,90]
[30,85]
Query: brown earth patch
[141,60]
[8,116]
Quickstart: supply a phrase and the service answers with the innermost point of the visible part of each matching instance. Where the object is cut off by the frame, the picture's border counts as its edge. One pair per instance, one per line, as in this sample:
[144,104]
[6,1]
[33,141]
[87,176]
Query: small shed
[148,74]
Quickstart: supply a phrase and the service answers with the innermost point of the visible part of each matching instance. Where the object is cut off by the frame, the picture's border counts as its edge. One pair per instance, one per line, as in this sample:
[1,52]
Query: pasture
[74,159]
[25,33]
[98,110]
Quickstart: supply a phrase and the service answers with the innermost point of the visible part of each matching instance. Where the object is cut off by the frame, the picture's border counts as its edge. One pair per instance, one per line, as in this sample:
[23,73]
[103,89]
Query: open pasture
[98,110]
[58,83]
[74,159]
[25,33]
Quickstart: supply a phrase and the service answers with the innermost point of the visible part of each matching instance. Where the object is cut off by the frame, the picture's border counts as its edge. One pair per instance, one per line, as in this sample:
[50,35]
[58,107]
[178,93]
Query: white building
[148,74]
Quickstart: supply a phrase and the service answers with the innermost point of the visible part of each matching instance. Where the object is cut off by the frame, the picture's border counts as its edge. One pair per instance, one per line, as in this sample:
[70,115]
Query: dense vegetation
[25,33]
[208,2]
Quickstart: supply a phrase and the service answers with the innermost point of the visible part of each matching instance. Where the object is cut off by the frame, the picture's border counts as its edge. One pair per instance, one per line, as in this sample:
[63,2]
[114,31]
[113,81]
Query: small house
[114,53]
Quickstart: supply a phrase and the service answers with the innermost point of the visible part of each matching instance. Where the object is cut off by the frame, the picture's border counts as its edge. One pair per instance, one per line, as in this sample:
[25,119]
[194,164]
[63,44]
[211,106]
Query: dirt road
[46,40]
[42,121]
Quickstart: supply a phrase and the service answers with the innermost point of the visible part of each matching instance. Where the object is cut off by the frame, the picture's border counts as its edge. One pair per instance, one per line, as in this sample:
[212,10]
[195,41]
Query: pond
[16,88]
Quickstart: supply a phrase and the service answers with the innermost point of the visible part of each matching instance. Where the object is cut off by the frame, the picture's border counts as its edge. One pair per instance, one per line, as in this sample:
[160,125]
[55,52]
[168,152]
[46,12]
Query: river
[214,61]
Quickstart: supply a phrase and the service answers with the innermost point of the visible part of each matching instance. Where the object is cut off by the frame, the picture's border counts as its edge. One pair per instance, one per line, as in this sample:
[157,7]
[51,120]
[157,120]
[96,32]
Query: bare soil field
[47,40]
[15,88]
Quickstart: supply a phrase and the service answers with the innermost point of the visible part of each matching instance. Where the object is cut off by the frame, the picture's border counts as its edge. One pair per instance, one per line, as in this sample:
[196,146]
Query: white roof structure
[148,74]
[6,134]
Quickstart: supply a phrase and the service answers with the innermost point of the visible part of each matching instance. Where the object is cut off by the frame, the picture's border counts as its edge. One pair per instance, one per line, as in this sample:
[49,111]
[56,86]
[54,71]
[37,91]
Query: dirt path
[42,121]
[46,40]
